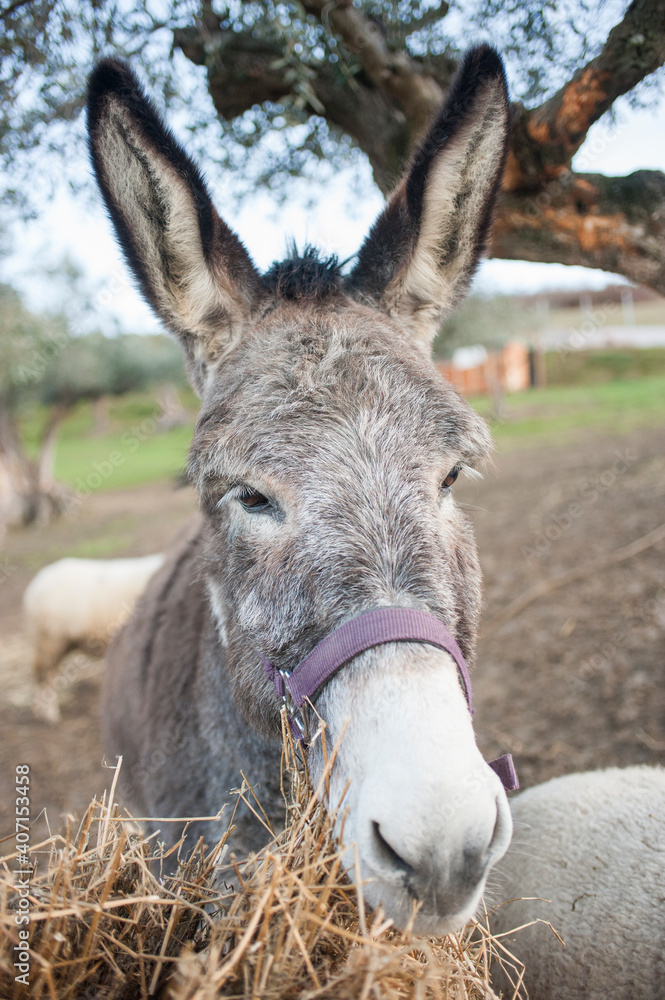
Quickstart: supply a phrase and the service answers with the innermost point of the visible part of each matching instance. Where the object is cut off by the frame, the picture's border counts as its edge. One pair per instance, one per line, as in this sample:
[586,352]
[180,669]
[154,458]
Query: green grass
[119,461]
[555,414]
[131,452]
[594,367]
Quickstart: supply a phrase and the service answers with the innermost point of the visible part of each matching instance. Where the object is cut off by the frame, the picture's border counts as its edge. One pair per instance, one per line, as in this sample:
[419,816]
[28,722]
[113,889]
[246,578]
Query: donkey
[324,458]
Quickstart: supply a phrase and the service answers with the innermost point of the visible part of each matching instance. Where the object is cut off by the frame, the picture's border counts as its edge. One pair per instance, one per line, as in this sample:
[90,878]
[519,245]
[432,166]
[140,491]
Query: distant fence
[509,370]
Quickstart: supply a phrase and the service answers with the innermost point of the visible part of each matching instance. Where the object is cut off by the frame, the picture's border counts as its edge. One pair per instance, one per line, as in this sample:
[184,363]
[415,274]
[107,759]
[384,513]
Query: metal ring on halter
[297,715]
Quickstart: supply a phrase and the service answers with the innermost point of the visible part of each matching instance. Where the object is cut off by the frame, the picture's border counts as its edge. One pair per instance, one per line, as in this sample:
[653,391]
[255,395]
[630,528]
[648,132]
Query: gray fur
[359,430]
[319,396]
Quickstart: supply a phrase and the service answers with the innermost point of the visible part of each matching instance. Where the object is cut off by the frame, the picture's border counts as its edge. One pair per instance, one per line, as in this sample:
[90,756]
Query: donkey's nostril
[473,867]
[387,855]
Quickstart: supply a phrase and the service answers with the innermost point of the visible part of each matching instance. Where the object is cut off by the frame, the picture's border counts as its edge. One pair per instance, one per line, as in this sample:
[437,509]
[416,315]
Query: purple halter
[372,628]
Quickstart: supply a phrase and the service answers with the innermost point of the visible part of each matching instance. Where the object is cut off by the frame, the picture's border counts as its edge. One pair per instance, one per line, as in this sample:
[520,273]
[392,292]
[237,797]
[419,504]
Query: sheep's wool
[593,844]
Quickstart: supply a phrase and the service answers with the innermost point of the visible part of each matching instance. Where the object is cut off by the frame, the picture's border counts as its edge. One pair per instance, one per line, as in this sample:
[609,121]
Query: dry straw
[284,924]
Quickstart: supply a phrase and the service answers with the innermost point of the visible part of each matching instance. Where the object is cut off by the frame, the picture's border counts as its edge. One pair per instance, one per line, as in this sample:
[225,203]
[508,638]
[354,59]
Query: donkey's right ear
[191,267]
[422,251]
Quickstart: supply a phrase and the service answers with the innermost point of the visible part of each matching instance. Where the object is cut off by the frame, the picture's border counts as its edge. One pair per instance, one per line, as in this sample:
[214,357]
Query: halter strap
[369,629]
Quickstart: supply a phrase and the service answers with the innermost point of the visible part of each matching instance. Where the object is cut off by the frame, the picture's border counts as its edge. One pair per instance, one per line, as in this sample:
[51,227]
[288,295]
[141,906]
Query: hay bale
[285,923]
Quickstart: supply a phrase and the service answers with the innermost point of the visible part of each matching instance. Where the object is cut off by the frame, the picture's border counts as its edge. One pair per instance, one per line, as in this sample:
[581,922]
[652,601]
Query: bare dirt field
[573,681]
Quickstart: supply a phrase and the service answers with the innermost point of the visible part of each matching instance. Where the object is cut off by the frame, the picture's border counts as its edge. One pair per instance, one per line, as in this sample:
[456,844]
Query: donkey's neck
[184,742]
[234,750]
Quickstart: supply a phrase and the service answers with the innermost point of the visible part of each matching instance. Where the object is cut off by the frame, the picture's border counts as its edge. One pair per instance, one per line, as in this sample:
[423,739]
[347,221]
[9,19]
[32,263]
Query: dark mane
[308,276]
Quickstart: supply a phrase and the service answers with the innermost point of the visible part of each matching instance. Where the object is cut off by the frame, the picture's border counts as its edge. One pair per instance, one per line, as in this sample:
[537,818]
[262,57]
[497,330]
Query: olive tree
[339,80]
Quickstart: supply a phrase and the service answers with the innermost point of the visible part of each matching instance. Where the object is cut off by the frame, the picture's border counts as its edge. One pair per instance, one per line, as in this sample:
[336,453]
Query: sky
[332,218]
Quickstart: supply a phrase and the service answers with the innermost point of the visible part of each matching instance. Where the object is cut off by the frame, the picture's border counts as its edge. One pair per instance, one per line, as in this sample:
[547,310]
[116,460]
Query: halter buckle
[297,716]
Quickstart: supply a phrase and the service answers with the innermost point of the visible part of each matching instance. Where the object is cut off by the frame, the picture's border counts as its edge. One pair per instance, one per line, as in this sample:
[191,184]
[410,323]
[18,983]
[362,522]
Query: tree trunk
[15,474]
[171,411]
[28,490]
[43,467]
[100,414]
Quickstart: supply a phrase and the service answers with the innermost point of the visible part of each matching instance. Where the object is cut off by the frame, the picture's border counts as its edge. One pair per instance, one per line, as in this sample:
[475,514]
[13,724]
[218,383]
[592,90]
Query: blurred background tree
[300,83]
[485,319]
[43,367]
[25,342]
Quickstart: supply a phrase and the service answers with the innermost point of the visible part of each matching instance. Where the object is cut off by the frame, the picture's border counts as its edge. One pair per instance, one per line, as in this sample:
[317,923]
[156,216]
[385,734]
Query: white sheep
[78,604]
[594,845]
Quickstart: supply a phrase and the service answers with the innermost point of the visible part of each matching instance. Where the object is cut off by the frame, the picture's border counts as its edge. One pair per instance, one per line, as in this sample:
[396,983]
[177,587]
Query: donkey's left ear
[191,267]
[422,251]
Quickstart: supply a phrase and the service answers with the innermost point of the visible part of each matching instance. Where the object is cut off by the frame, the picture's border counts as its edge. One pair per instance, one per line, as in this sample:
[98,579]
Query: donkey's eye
[450,478]
[252,500]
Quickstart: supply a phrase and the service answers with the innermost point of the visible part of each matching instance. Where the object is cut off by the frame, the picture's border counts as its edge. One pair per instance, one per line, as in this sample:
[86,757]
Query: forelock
[306,278]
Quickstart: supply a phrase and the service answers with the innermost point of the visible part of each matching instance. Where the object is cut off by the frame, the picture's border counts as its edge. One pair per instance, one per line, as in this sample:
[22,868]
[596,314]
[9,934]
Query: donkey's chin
[405,910]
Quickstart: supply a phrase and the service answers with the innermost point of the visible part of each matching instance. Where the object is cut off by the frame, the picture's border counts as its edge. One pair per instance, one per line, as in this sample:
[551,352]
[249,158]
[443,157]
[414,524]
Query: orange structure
[507,370]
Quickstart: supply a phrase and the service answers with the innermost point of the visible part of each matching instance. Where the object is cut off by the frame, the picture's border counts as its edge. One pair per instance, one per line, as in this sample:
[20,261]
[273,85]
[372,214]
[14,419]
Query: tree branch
[399,76]
[12,8]
[244,71]
[551,134]
[614,223]
[546,212]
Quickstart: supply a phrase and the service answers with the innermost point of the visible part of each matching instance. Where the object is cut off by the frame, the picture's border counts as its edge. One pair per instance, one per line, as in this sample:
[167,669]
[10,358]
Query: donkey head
[324,458]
